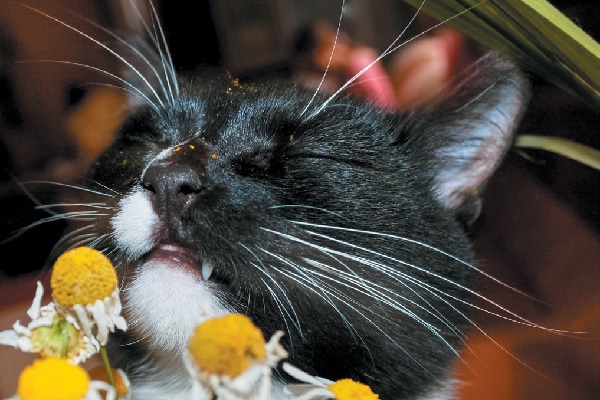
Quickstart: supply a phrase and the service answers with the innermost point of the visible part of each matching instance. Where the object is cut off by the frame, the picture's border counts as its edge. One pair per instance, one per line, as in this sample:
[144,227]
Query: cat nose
[172,183]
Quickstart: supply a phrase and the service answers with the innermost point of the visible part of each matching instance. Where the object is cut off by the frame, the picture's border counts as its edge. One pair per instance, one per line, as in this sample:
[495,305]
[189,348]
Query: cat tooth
[207,270]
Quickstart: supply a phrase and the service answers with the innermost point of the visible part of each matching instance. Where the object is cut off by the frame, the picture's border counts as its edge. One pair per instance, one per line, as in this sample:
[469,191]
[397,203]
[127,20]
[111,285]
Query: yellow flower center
[61,339]
[82,276]
[347,389]
[227,345]
[51,379]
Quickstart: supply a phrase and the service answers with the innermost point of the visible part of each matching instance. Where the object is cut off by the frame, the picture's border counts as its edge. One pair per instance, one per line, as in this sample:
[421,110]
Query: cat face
[330,220]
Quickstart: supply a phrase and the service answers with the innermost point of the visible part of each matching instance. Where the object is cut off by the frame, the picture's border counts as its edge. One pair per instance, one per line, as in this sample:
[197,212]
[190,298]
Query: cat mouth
[180,257]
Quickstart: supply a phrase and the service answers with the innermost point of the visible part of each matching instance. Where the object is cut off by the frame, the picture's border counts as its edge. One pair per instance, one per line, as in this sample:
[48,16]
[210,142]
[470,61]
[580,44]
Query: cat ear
[472,130]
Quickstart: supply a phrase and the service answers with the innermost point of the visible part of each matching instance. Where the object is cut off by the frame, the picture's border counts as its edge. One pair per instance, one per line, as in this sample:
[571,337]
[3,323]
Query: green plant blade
[575,151]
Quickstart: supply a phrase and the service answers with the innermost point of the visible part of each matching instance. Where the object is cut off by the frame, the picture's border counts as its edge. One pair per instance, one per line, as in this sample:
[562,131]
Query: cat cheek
[134,224]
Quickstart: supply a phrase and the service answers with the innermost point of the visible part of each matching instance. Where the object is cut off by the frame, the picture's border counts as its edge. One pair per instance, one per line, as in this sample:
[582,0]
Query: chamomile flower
[323,389]
[85,287]
[58,379]
[50,334]
[230,358]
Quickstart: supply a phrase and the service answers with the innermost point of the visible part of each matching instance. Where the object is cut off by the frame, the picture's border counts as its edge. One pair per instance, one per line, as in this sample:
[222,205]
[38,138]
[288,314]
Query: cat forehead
[255,116]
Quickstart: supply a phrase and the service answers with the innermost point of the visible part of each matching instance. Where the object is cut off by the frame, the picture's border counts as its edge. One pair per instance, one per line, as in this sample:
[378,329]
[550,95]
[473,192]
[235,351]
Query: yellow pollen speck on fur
[51,379]
[347,389]
[82,276]
[227,345]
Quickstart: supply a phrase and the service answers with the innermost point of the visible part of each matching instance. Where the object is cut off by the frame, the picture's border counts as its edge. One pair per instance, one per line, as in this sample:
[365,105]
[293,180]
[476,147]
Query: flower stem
[64,333]
[106,363]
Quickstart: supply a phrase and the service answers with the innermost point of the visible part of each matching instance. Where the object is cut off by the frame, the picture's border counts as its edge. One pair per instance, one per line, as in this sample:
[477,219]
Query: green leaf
[575,151]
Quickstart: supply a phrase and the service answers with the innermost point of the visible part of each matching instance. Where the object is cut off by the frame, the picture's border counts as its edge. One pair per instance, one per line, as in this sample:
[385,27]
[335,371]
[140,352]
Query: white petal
[20,329]
[24,344]
[103,323]
[9,338]
[84,321]
[40,321]
[48,310]
[94,389]
[34,310]
[300,375]
[244,383]
[120,322]
[310,392]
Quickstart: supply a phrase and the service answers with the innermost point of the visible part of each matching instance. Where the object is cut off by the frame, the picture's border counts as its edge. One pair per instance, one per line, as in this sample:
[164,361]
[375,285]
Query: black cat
[338,223]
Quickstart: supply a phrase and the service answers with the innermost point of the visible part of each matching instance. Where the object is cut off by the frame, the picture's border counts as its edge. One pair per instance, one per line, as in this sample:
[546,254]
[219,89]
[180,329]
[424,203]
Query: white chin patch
[134,224]
[164,304]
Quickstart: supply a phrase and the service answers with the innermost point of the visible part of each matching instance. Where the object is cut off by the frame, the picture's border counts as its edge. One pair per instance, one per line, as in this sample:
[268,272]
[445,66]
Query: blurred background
[539,229]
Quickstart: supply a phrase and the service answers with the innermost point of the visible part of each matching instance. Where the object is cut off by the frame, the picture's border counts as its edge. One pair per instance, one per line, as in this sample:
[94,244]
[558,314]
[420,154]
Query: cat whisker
[390,49]
[63,205]
[159,38]
[418,243]
[97,241]
[337,32]
[70,186]
[514,317]
[379,297]
[165,84]
[305,278]
[102,186]
[130,88]
[60,245]
[316,286]
[70,240]
[404,279]
[331,293]
[377,292]
[309,208]
[283,310]
[75,216]
[111,51]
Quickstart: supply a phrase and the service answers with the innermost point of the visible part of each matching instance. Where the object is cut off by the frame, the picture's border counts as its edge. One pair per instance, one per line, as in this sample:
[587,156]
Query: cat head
[338,223]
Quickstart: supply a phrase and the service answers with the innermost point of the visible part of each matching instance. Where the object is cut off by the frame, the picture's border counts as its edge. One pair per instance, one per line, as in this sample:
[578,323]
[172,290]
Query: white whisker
[82,188]
[441,277]
[337,32]
[364,286]
[309,208]
[391,48]
[102,186]
[282,309]
[163,50]
[59,246]
[75,216]
[325,291]
[102,45]
[315,286]
[132,88]
[137,52]
[63,205]
[418,243]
